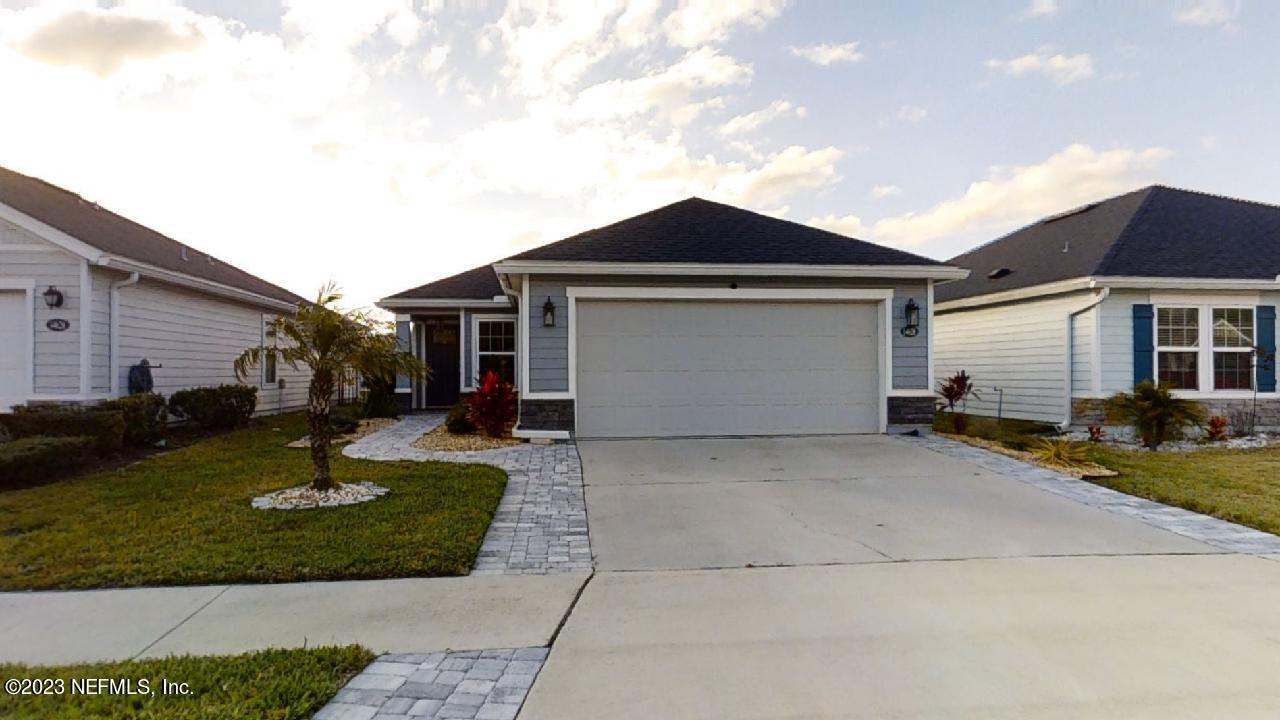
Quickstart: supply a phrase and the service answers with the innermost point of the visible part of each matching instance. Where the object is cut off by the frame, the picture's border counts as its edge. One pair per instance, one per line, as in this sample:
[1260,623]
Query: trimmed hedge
[222,407]
[37,458]
[146,417]
[106,428]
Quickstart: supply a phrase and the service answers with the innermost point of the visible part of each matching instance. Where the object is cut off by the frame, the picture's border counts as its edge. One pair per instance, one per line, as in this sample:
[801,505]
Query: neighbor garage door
[15,350]
[696,368]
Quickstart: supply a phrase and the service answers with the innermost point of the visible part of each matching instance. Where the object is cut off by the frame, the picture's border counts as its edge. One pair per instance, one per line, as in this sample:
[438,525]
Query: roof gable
[115,235]
[706,232]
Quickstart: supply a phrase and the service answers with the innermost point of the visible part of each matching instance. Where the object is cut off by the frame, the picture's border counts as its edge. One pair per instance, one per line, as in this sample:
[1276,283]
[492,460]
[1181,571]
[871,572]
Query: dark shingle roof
[115,235]
[475,284]
[1153,232]
[701,231]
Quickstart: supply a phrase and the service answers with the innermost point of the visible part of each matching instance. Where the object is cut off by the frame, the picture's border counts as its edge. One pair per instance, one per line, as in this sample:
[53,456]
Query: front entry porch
[437,342]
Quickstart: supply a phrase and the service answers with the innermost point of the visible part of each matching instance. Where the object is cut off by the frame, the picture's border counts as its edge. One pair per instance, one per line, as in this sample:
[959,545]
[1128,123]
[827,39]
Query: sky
[384,144]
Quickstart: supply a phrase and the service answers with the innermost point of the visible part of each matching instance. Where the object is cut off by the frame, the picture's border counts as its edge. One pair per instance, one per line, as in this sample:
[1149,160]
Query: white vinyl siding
[1020,347]
[195,338]
[100,370]
[57,354]
[1083,329]
[1117,339]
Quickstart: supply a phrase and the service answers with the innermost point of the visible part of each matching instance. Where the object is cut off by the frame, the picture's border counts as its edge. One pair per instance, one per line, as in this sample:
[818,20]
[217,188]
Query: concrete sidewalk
[406,615]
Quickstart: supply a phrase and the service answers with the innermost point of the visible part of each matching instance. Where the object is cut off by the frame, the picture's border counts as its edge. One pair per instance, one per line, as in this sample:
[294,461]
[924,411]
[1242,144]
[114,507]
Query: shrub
[457,422]
[104,427]
[146,417]
[1059,451]
[41,457]
[5,435]
[380,398]
[1096,433]
[957,389]
[1154,412]
[1217,428]
[345,419]
[223,407]
[492,407]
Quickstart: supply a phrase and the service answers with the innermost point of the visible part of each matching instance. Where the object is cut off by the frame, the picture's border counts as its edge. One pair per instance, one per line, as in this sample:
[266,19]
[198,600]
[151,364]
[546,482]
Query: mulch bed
[441,440]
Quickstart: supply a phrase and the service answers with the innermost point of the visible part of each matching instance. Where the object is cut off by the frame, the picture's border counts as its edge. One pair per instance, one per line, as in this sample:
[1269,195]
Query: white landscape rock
[303,497]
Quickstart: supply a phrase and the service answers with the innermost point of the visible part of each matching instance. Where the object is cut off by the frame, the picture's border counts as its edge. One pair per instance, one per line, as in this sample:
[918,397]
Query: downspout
[115,329]
[1070,378]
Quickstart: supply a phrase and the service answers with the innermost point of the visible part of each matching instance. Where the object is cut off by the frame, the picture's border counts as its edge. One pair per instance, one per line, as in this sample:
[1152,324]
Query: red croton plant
[492,407]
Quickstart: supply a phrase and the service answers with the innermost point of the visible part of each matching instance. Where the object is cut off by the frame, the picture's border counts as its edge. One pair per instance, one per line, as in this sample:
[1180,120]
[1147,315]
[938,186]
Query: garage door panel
[670,368]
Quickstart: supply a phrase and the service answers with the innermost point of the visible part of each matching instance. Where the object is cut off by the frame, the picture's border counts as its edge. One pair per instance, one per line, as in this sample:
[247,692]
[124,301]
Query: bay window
[1205,347]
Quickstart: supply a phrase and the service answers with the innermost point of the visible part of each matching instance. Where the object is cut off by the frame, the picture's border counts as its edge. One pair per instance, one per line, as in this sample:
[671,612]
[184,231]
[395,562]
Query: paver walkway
[541,523]
[1204,528]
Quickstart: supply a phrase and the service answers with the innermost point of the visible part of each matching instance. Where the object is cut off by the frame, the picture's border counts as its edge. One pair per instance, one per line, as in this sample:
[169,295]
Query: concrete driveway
[725,503]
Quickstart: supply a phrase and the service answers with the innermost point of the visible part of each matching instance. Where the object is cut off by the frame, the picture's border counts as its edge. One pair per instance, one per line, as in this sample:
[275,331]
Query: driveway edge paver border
[540,526]
[1210,530]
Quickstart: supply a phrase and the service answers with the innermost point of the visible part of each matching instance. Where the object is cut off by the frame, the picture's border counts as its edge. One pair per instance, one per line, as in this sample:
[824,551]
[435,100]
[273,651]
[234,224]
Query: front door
[440,340]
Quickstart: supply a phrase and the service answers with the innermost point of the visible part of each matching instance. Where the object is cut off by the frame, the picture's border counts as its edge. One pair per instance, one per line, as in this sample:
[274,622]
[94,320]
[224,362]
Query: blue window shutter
[1144,348]
[1267,342]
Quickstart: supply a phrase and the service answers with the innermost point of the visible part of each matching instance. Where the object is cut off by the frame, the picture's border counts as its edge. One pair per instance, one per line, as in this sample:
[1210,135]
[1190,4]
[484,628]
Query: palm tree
[330,342]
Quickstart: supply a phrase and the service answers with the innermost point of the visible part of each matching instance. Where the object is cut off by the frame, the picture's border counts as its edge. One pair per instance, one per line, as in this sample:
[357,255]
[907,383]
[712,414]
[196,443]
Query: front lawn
[1242,486]
[267,685]
[183,518]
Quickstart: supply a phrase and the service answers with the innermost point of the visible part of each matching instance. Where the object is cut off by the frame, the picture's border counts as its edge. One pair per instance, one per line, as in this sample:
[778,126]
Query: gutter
[188,281]
[1070,343]
[114,364]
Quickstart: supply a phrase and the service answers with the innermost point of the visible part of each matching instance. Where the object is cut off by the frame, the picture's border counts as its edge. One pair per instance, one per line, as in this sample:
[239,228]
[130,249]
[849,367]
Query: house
[86,294]
[695,319]
[1158,284]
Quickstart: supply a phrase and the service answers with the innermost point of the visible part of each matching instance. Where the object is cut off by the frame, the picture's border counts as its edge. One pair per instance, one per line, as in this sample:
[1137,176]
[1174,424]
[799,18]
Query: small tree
[1154,412]
[329,341]
[957,389]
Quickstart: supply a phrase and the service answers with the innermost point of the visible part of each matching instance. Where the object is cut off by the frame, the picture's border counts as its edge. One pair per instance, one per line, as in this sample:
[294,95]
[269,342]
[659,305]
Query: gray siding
[549,347]
[1082,332]
[100,372]
[1116,336]
[57,354]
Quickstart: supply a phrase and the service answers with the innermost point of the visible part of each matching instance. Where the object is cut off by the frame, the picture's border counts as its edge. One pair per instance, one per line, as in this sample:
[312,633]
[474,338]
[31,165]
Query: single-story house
[86,294]
[695,319]
[1158,284]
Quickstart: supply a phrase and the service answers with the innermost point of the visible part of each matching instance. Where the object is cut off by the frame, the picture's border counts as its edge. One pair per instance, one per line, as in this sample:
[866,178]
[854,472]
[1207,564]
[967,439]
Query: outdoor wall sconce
[52,297]
[548,313]
[912,326]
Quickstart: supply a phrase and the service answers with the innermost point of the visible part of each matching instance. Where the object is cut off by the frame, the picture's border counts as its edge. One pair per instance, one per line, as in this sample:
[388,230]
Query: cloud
[1011,196]
[848,225]
[702,22]
[826,54]
[1043,8]
[347,24]
[1207,13]
[880,192]
[1209,142]
[912,113]
[667,91]
[100,41]
[1062,69]
[434,59]
[752,121]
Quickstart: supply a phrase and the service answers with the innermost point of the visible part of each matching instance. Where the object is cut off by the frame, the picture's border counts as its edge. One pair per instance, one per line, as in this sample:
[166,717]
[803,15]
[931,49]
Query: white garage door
[697,368]
[15,351]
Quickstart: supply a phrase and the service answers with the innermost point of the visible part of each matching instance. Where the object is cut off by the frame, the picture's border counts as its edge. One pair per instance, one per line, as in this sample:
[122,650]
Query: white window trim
[514,319]
[882,297]
[28,287]
[1205,348]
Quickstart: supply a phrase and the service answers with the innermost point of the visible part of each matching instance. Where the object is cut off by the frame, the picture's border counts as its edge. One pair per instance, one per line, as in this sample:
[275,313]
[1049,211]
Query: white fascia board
[543,267]
[194,283]
[699,293]
[410,303]
[72,245]
[1191,283]
[1034,291]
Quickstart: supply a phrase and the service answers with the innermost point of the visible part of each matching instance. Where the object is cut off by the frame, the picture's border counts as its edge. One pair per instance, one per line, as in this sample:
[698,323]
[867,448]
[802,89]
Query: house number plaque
[58,324]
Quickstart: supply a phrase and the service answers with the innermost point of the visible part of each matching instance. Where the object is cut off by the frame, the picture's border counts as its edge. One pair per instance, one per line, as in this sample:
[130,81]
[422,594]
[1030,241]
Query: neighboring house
[694,319]
[1160,284]
[85,294]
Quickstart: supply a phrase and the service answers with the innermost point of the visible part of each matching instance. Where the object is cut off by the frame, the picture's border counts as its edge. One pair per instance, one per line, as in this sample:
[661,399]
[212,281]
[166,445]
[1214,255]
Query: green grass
[1242,486]
[183,518]
[268,685]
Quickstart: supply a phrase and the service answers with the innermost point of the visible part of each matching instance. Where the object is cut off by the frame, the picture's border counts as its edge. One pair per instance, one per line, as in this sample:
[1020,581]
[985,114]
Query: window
[269,361]
[496,348]
[1233,348]
[1177,347]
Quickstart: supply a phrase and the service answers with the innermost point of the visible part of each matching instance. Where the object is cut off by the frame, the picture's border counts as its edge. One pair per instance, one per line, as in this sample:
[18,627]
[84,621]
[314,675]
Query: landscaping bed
[266,685]
[441,440]
[185,518]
